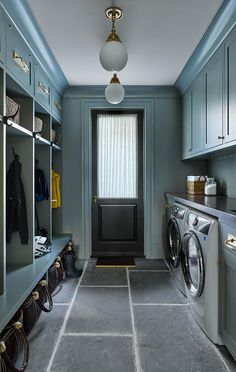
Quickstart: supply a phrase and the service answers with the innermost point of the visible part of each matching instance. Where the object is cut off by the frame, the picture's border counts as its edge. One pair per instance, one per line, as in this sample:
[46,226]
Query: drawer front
[2,33]
[57,105]
[42,87]
[19,58]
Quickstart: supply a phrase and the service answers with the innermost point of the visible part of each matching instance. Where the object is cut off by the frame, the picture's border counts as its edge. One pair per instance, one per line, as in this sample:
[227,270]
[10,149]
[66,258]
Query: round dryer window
[174,242]
[192,264]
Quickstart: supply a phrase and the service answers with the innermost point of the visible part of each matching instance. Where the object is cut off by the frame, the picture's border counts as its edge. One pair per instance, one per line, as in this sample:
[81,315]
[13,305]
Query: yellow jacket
[56,195]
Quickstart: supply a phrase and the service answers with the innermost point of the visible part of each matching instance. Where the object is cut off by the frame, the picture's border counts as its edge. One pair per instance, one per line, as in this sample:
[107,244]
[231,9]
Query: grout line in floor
[94,334]
[65,320]
[103,286]
[157,304]
[137,360]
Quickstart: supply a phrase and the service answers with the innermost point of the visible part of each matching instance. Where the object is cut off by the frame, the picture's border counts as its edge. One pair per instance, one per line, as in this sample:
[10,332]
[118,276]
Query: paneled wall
[224,170]
[164,171]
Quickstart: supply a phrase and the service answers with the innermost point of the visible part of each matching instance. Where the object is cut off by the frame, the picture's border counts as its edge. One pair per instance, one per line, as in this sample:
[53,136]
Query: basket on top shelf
[12,110]
[55,138]
[39,126]
[195,185]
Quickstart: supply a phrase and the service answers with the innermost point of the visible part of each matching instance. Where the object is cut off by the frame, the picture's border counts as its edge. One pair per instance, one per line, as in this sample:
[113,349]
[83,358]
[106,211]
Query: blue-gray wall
[224,170]
[164,171]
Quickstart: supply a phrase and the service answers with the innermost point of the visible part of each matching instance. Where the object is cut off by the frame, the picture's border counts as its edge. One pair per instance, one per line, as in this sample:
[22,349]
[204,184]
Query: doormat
[115,262]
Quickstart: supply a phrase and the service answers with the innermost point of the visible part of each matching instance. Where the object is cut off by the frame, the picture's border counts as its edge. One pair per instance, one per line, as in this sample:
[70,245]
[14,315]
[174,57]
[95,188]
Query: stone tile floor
[120,320]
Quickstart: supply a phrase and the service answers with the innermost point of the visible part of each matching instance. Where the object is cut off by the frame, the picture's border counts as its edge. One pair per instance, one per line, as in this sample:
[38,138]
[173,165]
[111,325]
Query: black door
[117,187]
[174,242]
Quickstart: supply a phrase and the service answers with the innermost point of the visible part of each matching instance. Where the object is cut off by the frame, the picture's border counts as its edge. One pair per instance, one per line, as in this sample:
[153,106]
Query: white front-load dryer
[199,259]
[175,229]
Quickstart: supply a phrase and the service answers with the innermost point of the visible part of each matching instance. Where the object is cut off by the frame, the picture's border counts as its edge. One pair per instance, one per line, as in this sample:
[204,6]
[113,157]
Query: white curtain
[117,155]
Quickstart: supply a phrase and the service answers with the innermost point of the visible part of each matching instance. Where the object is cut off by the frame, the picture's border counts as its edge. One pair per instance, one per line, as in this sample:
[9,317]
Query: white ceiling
[160,36]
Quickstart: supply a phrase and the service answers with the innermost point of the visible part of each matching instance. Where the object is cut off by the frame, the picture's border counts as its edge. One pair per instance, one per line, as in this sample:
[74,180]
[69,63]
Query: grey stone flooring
[119,320]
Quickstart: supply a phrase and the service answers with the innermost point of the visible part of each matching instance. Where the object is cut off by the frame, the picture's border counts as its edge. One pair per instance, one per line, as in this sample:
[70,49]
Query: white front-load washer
[175,228]
[199,259]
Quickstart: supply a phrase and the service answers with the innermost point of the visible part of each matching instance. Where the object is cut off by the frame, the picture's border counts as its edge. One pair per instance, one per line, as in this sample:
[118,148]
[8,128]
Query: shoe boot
[71,270]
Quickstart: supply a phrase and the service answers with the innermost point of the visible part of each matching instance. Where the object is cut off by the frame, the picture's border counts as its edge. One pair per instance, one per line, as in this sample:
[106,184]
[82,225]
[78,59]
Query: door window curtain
[117,155]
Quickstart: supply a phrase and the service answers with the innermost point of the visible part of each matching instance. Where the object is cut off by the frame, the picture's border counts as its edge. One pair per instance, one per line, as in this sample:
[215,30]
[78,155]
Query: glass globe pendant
[114,92]
[113,55]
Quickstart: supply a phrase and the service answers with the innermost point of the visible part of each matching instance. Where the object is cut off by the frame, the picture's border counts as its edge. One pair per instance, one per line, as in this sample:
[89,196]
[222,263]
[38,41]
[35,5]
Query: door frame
[87,106]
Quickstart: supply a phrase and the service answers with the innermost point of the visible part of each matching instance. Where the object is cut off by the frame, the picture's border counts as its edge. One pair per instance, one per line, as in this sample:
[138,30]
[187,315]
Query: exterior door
[117,173]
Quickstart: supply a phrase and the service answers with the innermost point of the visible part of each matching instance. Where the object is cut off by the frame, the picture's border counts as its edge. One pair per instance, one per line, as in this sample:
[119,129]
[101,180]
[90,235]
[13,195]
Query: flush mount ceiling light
[113,55]
[114,92]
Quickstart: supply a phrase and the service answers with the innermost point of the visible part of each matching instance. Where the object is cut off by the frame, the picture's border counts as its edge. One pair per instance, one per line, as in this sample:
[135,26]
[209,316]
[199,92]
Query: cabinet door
[19,58]
[187,124]
[230,75]
[42,87]
[198,114]
[2,33]
[214,100]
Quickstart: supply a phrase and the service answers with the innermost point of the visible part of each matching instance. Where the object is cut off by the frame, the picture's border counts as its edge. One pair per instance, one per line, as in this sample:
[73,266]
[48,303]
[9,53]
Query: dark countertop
[222,207]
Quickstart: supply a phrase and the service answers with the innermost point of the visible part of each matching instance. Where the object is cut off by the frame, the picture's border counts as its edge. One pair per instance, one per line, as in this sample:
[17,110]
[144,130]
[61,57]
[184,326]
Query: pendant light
[113,55]
[114,92]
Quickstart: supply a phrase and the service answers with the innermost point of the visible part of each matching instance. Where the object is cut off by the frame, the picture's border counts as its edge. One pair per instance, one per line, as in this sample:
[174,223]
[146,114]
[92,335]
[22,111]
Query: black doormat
[115,262]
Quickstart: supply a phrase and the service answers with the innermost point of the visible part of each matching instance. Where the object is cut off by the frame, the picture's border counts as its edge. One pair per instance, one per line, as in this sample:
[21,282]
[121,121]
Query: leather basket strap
[43,286]
[17,330]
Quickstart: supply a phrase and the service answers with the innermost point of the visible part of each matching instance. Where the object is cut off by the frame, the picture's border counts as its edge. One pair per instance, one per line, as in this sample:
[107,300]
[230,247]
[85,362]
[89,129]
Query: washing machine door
[192,264]
[174,239]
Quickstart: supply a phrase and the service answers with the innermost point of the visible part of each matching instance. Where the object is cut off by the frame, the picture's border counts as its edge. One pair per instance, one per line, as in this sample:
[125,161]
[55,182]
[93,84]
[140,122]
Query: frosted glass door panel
[117,156]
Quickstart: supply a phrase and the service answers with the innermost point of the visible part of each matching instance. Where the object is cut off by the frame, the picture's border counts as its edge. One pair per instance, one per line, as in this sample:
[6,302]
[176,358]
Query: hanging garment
[56,195]
[41,187]
[16,215]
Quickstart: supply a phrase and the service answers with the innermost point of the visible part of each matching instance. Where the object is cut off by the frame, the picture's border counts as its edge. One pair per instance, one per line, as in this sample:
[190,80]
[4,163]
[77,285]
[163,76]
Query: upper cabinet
[213,110]
[213,75]
[42,87]
[187,124]
[230,87]
[19,60]
[2,33]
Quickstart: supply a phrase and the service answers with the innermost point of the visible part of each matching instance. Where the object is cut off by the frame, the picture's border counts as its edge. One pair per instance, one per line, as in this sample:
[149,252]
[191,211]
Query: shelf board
[21,279]
[41,141]
[14,129]
[56,147]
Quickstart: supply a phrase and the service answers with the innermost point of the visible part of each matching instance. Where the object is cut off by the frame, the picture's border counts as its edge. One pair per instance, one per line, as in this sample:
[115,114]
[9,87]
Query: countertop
[222,207]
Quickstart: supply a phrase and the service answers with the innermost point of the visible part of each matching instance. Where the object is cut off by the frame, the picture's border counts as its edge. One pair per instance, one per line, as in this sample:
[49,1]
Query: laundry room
[117,185]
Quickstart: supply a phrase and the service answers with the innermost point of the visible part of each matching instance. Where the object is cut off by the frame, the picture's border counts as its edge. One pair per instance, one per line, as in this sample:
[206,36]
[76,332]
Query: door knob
[95,198]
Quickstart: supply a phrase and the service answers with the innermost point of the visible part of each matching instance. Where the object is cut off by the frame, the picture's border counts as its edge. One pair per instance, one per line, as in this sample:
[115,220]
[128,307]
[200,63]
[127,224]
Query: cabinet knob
[221,137]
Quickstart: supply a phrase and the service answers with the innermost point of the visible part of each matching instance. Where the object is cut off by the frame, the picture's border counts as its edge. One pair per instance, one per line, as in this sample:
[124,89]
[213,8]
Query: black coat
[16,204]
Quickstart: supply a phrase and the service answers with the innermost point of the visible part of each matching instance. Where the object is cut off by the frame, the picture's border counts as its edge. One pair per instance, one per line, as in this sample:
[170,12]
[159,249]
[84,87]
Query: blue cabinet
[198,114]
[228,288]
[2,37]
[230,85]
[19,59]
[56,105]
[42,87]
[187,124]
[214,100]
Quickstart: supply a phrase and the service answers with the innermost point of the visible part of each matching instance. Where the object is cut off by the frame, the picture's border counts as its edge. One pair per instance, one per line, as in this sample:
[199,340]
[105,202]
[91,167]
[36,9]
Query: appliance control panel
[178,212]
[198,223]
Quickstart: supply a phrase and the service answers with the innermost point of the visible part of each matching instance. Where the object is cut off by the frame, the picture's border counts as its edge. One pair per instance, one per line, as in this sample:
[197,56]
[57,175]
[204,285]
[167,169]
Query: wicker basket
[38,125]
[55,138]
[195,187]
[12,110]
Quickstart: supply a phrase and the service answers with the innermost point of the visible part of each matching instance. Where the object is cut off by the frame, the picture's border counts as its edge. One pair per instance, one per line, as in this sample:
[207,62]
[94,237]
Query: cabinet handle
[230,242]
[221,137]
[57,105]
[42,87]
[220,261]
[19,60]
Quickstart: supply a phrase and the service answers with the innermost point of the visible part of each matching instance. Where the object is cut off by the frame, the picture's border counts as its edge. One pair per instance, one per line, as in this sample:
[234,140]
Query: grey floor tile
[154,287]
[43,337]
[93,354]
[100,310]
[102,276]
[146,264]
[170,340]
[65,290]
